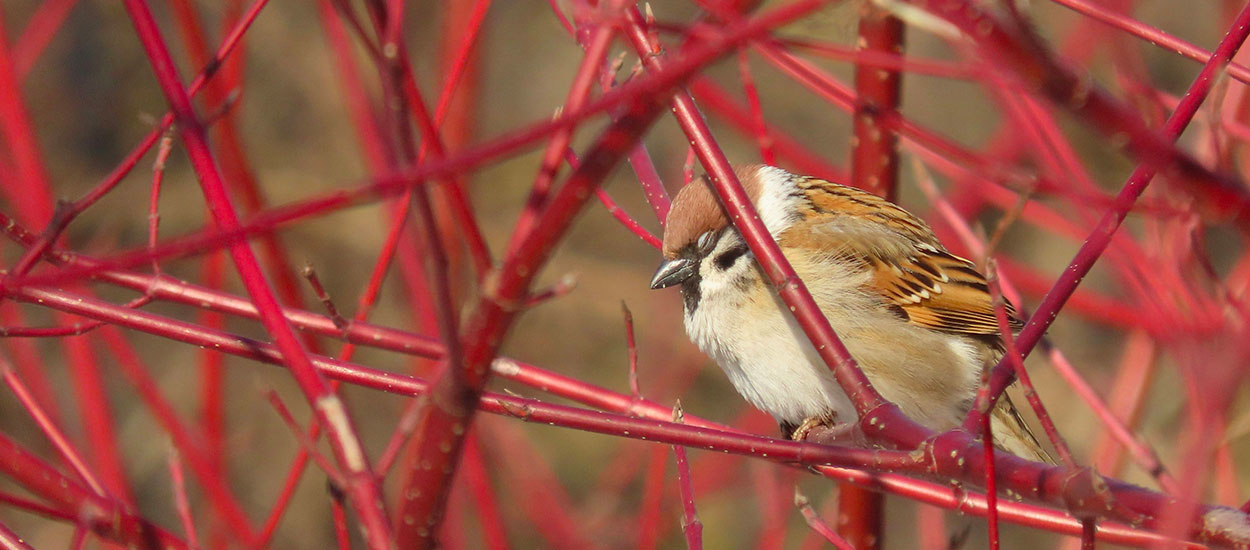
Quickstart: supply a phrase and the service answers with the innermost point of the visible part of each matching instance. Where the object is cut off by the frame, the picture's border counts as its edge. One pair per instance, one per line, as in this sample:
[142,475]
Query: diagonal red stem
[1100,237]
[362,489]
[445,415]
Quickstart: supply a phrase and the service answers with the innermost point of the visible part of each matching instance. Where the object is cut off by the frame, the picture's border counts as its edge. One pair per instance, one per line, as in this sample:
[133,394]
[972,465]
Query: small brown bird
[918,319]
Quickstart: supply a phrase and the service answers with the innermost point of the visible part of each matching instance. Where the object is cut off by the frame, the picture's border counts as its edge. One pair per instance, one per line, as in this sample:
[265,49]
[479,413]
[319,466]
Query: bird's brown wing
[938,290]
[930,286]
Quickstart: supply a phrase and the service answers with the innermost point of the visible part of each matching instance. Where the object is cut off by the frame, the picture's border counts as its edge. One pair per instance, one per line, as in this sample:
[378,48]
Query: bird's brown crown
[696,209]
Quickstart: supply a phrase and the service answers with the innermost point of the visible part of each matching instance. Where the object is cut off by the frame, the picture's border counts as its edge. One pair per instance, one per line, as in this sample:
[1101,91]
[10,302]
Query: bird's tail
[1013,435]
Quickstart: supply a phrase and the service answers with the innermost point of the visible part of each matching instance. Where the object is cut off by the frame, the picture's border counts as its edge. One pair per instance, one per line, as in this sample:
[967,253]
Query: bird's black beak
[673,272]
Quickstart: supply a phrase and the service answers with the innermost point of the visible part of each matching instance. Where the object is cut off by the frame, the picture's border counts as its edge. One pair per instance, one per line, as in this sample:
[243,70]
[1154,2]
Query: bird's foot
[813,424]
[825,430]
[845,433]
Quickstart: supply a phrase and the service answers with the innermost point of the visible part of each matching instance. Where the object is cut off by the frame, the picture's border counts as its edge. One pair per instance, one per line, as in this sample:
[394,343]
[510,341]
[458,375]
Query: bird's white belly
[772,369]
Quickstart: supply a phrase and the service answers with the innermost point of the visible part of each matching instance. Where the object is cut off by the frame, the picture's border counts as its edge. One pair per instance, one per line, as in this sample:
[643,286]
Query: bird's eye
[705,243]
[727,258]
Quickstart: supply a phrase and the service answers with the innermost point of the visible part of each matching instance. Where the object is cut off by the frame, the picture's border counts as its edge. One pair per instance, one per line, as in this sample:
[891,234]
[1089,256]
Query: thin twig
[181,503]
[817,523]
[319,291]
[691,527]
[54,434]
[302,438]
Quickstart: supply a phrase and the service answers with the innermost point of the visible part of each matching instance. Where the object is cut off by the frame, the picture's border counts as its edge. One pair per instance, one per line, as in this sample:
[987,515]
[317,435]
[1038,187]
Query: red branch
[445,415]
[1100,237]
[362,488]
[1168,283]
[874,168]
[952,455]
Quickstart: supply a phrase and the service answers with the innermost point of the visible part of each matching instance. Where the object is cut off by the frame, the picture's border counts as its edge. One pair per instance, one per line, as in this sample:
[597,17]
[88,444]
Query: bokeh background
[91,96]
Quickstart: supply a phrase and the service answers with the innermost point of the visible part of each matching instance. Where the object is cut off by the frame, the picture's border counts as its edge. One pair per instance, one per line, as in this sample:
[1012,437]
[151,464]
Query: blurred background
[90,96]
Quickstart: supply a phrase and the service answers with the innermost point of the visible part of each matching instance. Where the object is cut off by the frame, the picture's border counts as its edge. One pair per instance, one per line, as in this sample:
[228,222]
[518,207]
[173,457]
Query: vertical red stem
[861,516]
[691,527]
[874,155]
[874,168]
[991,481]
[363,488]
[97,414]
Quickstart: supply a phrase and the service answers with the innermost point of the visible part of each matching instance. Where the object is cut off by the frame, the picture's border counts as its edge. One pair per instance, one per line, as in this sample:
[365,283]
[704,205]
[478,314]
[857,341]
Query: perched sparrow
[917,319]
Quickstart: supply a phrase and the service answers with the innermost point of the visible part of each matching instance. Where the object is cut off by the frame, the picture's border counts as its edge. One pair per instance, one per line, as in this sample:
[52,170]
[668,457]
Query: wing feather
[939,290]
[932,287]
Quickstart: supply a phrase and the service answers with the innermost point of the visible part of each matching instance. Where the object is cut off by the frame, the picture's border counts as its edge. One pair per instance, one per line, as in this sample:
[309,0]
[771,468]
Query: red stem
[54,434]
[991,481]
[362,487]
[181,503]
[212,412]
[950,454]
[1100,237]
[72,210]
[1018,48]
[221,499]
[874,168]
[445,416]
[1107,414]
[11,541]
[626,220]
[338,515]
[763,141]
[233,159]
[461,65]
[97,415]
[649,508]
[494,531]
[40,29]
[400,85]
[1134,374]
[305,441]
[691,527]
[587,74]
[394,183]
[639,160]
[719,102]
[104,517]
[874,156]
[1017,365]
[1151,35]
[28,188]
[527,475]
[1089,534]
[818,524]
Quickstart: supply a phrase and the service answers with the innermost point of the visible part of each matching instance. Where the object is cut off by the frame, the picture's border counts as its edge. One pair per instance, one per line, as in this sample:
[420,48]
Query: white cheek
[776,201]
[717,282]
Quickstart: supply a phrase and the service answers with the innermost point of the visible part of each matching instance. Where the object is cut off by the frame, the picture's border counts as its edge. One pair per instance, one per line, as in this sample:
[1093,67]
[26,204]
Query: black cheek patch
[690,292]
[728,257]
